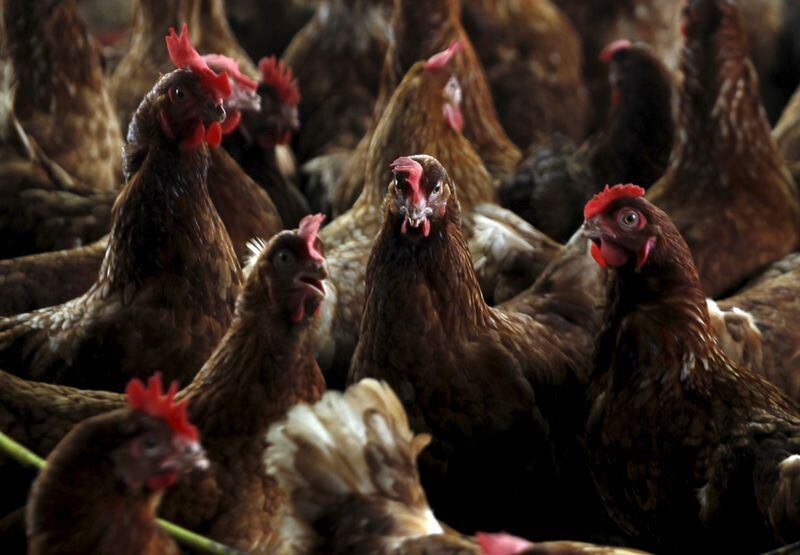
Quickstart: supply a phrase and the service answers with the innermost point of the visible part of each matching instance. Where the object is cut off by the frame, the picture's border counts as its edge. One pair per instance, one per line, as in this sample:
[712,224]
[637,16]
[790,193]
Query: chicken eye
[284,258]
[149,443]
[437,188]
[629,219]
[177,94]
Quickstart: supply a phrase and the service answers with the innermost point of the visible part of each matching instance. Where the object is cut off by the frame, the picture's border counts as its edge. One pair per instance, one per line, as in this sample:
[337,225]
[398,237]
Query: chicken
[691,452]
[256,145]
[424,115]
[245,208]
[261,367]
[502,391]
[420,30]
[42,208]
[556,179]
[652,22]
[109,473]
[165,291]
[345,500]
[60,95]
[145,59]
[533,61]
[337,58]
[726,187]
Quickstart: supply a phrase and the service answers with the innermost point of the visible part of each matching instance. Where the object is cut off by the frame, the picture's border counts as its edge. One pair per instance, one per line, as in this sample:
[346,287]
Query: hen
[342,499]
[787,130]
[261,134]
[533,61]
[726,188]
[502,391]
[261,367]
[424,115]
[690,451]
[556,179]
[60,95]
[420,29]
[165,291]
[103,482]
[337,58]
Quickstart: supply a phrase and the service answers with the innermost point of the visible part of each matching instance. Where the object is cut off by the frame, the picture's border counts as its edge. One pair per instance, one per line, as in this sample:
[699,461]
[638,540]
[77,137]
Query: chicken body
[165,291]
[690,451]
[533,61]
[501,391]
[509,253]
[551,185]
[60,96]
[726,188]
[261,367]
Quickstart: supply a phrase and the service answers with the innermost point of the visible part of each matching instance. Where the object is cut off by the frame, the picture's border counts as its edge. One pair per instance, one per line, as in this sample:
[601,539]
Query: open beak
[312,277]
[416,216]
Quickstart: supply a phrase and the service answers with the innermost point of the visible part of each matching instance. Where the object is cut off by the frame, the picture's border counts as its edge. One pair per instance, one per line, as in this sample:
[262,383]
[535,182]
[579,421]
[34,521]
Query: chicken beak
[191,455]
[416,215]
[214,112]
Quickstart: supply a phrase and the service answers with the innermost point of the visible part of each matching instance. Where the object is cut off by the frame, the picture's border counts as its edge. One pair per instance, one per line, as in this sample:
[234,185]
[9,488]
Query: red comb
[501,544]
[308,229]
[153,401]
[602,199]
[218,62]
[413,171]
[276,74]
[438,61]
[183,55]
[612,48]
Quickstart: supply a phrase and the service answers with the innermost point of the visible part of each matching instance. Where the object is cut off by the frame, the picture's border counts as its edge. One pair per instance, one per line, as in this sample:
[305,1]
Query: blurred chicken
[424,115]
[345,500]
[109,474]
[60,95]
[215,35]
[726,188]
[502,392]
[552,184]
[165,291]
[533,61]
[600,22]
[256,144]
[420,30]
[691,452]
[337,58]
[261,367]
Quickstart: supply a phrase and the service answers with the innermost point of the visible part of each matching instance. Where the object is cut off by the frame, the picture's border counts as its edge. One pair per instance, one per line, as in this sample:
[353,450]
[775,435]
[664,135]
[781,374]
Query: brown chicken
[165,291]
[533,61]
[556,179]
[103,482]
[60,95]
[266,27]
[691,452]
[337,58]
[215,35]
[726,187]
[42,208]
[421,29]
[502,391]
[600,22]
[262,367]
[256,144]
[342,499]
[424,115]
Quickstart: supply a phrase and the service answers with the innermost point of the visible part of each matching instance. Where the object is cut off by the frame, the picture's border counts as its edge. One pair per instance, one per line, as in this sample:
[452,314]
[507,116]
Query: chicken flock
[401,276]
